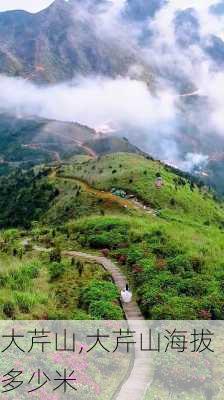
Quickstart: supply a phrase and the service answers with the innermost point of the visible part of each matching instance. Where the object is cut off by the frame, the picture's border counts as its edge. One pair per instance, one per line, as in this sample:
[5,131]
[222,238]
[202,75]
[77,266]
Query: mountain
[215,49]
[22,137]
[141,10]
[187,27]
[56,44]
[66,40]
[30,141]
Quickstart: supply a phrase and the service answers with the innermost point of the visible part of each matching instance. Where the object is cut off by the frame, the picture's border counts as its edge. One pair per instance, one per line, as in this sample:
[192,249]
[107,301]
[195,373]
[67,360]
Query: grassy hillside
[45,285]
[179,198]
[168,241]
[174,254]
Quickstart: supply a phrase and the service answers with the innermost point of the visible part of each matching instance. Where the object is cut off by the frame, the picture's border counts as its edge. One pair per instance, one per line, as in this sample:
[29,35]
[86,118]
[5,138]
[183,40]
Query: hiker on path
[126,295]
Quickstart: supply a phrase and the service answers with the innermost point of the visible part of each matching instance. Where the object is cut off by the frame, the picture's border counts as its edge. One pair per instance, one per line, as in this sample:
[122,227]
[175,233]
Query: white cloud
[193,160]
[151,121]
[92,101]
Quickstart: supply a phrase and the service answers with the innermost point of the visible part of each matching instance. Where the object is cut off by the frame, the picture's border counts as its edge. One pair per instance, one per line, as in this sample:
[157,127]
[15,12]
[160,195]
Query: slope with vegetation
[168,241]
[46,285]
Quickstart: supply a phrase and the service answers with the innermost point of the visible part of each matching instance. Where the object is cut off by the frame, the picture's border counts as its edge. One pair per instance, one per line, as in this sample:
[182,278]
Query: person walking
[126,295]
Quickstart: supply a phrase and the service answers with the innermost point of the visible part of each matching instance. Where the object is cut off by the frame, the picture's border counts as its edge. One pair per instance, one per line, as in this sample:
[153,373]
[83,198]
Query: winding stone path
[140,377]
[131,310]
[137,383]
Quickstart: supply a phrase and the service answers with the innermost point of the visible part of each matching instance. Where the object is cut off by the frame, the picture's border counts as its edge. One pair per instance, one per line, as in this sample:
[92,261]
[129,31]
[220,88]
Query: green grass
[74,201]
[41,289]
[137,175]
[159,391]
[173,259]
[178,274]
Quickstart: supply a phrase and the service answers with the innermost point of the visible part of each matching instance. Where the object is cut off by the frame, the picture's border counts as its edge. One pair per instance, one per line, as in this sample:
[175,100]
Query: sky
[28,5]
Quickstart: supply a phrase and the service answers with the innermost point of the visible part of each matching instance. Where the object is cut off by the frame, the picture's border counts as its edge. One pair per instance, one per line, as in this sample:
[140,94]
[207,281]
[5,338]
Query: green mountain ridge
[25,142]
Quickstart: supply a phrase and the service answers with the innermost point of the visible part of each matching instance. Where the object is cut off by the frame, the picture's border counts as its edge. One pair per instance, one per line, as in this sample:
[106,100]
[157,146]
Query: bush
[98,290]
[175,308]
[108,240]
[98,299]
[179,264]
[56,270]
[55,255]
[25,301]
[22,278]
[134,254]
[31,270]
[9,310]
[102,309]
[193,287]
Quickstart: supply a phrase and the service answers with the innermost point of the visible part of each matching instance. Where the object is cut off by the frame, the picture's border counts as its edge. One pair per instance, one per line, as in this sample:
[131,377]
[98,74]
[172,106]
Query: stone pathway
[131,310]
[137,383]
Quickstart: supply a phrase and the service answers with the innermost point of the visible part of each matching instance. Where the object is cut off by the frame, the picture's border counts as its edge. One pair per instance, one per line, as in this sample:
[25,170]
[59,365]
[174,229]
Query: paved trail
[131,310]
[139,379]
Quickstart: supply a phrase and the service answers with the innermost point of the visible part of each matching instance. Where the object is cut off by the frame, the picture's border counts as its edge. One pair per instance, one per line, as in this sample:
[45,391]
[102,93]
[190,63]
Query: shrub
[105,239]
[179,264]
[25,301]
[197,263]
[31,270]
[122,259]
[80,268]
[175,308]
[98,290]
[205,314]
[9,309]
[56,270]
[134,254]
[80,315]
[102,309]
[55,255]
[193,287]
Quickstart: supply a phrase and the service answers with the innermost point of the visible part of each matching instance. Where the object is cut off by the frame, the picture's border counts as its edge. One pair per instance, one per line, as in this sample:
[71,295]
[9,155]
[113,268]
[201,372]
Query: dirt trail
[132,203]
[88,149]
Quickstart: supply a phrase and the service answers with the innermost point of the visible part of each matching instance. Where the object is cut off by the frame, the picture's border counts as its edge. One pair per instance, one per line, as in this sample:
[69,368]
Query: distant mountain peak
[58,5]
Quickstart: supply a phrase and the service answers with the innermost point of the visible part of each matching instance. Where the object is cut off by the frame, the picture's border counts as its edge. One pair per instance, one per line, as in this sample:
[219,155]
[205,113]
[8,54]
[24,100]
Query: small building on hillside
[159,182]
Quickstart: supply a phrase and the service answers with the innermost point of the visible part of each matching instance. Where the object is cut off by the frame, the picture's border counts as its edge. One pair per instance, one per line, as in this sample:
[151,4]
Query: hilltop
[25,142]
